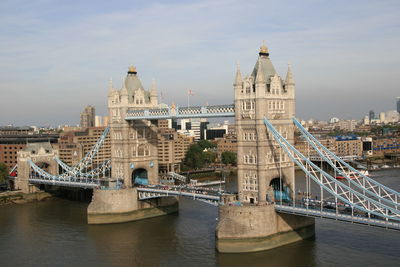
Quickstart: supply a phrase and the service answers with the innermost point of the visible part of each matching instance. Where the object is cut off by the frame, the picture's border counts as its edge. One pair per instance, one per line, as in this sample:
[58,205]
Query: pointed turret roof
[153,90]
[132,81]
[289,76]
[267,69]
[238,79]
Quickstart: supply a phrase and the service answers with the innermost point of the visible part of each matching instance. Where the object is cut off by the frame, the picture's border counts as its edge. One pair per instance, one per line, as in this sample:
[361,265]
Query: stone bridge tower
[133,144]
[42,154]
[265,173]
[261,162]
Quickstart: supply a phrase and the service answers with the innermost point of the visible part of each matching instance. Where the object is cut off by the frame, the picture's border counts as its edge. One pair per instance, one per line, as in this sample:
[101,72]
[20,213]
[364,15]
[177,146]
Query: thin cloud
[61,55]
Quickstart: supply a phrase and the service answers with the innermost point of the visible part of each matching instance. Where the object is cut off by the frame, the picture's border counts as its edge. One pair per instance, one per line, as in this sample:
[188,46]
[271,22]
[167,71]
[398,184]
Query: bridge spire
[153,93]
[238,80]
[153,86]
[123,83]
[289,76]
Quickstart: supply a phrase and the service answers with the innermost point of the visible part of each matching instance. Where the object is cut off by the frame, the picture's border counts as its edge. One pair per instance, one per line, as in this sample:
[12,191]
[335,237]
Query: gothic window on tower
[276,106]
[141,150]
[118,153]
[250,159]
[134,151]
[248,104]
[132,134]
[140,133]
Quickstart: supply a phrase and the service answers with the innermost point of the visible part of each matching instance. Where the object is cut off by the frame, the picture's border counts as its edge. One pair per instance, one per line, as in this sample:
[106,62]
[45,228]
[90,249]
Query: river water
[54,233]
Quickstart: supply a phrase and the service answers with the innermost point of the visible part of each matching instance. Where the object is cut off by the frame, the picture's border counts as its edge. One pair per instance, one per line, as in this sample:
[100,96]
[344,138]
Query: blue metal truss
[355,199]
[149,193]
[75,176]
[363,182]
[182,113]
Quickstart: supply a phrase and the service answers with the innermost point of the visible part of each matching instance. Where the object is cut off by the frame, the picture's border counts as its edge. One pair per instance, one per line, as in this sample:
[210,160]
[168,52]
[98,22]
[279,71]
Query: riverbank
[17,197]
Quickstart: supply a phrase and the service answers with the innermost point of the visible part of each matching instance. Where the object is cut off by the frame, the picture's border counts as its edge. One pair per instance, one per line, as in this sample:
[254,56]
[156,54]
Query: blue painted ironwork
[40,176]
[101,170]
[148,193]
[182,113]
[177,176]
[74,176]
[357,200]
[88,158]
[333,215]
[363,182]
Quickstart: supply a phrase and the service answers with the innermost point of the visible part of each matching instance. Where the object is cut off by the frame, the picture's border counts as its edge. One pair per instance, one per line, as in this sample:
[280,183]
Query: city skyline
[58,57]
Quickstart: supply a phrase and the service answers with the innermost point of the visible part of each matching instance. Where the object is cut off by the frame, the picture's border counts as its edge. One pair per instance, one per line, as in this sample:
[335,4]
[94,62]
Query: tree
[205,144]
[228,157]
[194,157]
[209,157]
[3,172]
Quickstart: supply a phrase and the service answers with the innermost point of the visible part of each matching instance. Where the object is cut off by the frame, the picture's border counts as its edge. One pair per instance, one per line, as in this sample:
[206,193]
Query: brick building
[12,143]
[74,145]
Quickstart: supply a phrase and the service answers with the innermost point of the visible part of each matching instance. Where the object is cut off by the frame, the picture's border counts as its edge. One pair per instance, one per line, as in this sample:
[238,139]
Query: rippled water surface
[55,233]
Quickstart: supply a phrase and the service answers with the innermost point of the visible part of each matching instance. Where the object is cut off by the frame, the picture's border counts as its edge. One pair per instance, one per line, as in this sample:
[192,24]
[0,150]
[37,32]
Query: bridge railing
[181,112]
[356,200]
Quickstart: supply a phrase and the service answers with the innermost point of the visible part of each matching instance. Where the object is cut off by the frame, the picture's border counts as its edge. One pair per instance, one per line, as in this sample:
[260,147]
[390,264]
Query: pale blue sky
[57,56]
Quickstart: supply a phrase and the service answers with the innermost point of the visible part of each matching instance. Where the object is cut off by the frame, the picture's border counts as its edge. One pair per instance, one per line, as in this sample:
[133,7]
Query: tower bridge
[265,212]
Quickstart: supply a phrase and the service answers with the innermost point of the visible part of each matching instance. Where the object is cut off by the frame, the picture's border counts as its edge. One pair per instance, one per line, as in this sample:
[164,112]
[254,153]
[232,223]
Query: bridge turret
[153,93]
[238,84]
[124,94]
[291,92]
[238,80]
[289,81]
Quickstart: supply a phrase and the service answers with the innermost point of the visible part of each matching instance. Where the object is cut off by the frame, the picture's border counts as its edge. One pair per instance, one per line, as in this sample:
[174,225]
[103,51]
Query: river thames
[54,233]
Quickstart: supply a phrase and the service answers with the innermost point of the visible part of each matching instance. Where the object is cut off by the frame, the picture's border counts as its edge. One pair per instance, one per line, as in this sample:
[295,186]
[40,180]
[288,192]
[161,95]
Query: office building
[88,117]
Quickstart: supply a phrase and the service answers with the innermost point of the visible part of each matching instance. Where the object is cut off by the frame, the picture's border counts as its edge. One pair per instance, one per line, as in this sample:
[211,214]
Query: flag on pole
[190,92]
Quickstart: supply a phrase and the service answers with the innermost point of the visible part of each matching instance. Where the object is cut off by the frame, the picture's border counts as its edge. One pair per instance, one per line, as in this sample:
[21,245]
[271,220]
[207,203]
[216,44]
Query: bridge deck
[157,192]
[331,214]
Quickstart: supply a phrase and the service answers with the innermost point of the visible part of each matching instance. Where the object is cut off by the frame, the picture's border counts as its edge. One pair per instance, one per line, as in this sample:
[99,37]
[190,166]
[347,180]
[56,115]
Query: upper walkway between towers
[173,112]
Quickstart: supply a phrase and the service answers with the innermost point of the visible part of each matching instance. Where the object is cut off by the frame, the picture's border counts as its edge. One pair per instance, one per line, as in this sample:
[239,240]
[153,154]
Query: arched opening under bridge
[140,177]
[281,191]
